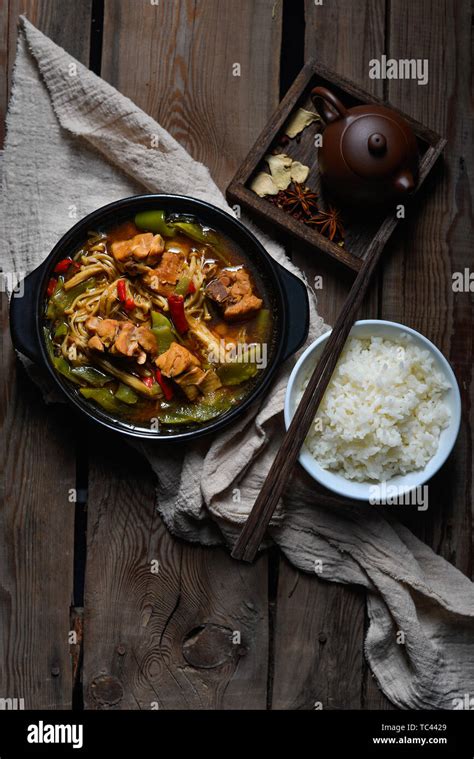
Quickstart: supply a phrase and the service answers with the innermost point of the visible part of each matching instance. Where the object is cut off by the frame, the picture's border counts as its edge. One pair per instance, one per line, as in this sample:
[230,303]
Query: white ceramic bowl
[404,483]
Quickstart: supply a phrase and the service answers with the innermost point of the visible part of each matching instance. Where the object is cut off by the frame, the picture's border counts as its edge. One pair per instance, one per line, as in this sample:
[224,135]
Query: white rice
[382,413]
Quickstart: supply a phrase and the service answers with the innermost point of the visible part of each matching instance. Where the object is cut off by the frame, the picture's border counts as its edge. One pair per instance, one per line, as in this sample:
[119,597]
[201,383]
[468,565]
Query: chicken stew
[159,321]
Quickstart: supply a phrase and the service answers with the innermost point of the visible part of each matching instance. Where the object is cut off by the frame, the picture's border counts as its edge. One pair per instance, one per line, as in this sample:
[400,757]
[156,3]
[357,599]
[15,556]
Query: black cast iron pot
[288,294]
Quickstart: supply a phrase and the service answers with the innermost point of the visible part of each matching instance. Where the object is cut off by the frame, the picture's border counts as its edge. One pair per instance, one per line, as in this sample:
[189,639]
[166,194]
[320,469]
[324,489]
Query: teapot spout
[404,182]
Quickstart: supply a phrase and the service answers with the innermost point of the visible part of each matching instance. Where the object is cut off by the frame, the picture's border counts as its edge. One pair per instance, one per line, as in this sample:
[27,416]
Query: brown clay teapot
[369,154]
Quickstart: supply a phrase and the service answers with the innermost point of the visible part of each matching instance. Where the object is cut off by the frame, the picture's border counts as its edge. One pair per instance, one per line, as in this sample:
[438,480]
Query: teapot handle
[327,104]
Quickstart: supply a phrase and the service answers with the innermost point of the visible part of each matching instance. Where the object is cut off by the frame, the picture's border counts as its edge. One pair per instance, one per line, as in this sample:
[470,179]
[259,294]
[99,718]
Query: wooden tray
[361,233]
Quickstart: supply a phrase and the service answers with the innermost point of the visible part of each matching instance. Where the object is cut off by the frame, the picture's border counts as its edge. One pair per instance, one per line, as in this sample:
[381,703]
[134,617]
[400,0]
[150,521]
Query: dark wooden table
[162,640]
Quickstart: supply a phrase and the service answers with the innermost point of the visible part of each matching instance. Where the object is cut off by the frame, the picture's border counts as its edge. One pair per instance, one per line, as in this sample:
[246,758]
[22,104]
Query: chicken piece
[190,381]
[176,360]
[105,329]
[247,306]
[92,323]
[146,339]
[210,382]
[124,231]
[126,341]
[121,337]
[145,248]
[131,340]
[239,301]
[164,278]
[206,338]
[196,381]
[96,344]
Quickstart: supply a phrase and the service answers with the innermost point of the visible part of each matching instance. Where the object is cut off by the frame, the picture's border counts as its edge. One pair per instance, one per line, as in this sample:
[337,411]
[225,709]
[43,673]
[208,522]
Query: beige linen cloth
[74,143]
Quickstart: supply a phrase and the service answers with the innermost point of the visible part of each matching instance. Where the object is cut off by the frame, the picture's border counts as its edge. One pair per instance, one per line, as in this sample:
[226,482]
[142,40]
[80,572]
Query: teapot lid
[374,146]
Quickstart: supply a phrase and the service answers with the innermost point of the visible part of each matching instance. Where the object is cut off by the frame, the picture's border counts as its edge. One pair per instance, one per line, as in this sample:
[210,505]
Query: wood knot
[106,690]
[209,645]
[322,637]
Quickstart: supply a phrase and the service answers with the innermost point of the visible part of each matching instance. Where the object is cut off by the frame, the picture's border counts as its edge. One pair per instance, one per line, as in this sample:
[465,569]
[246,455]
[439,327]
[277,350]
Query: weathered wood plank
[318,651]
[166,639]
[38,470]
[438,242]
[177,61]
[326,622]
[343,36]
[189,632]
[4,72]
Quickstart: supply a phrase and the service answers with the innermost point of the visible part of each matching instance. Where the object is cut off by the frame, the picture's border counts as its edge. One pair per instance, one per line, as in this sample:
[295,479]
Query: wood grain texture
[192,635]
[342,36]
[175,61]
[4,72]
[437,242]
[67,22]
[163,641]
[38,470]
[316,666]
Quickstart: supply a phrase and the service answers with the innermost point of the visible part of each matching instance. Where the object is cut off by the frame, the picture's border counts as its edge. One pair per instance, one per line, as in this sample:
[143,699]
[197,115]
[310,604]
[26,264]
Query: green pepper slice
[160,320]
[262,322]
[183,285]
[154,221]
[163,331]
[64,368]
[164,338]
[202,411]
[61,330]
[49,343]
[126,394]
[90,376]
[104,398]
[235,373]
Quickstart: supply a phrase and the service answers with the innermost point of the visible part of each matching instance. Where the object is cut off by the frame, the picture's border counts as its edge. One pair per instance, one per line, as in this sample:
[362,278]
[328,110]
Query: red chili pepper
[176,306]
[129,304]
[51,286]
[165,385]
[148,381]
[191,288]
[121,290]
[62,266]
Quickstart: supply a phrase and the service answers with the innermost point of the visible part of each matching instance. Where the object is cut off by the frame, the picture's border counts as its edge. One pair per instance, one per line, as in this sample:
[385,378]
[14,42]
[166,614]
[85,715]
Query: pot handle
[23,317]
[297,312]
[327,104]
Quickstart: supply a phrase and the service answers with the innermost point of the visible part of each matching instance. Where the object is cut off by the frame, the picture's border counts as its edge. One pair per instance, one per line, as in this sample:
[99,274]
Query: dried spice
[297,200]
[329,223]
[262,184]
[299,172]
[301,203]
[299,121]
[280,169]
[283,171]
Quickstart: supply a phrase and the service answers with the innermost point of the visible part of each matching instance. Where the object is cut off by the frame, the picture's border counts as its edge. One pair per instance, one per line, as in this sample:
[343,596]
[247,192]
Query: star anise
[297,200]
[329,223]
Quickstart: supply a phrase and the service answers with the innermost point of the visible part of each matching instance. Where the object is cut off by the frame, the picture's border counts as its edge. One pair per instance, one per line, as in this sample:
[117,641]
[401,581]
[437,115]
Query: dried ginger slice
[299,172]
[299,120]
[280,169]
[263,185]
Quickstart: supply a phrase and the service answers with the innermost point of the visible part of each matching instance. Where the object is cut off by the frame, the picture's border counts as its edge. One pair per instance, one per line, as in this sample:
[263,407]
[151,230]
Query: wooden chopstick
[256,525]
